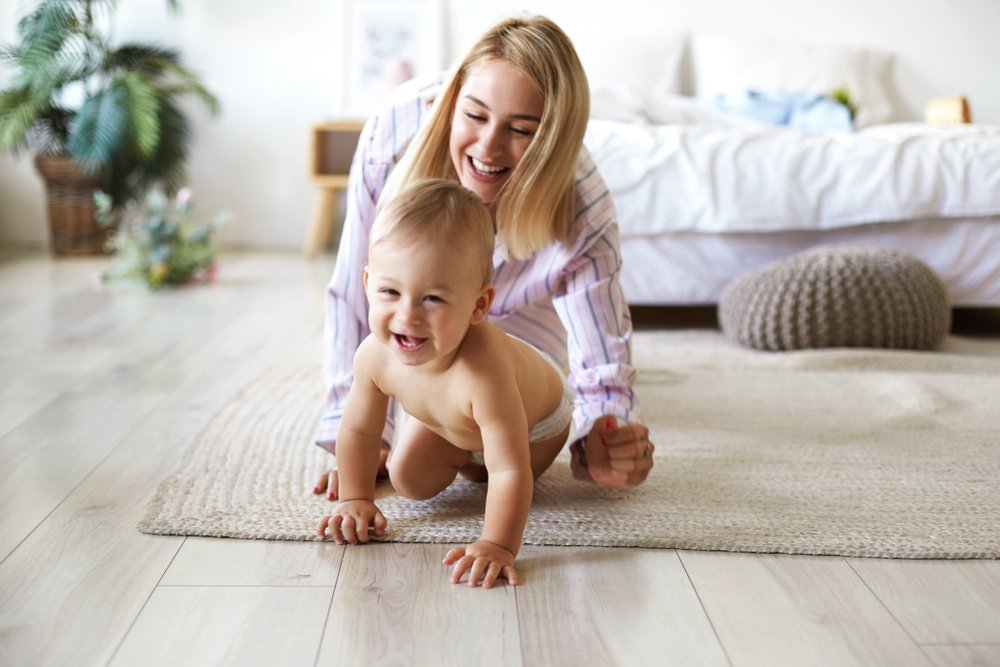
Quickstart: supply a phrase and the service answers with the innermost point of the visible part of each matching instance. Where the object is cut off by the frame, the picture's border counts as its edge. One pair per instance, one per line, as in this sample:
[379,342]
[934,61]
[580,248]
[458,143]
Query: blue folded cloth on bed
[809,112]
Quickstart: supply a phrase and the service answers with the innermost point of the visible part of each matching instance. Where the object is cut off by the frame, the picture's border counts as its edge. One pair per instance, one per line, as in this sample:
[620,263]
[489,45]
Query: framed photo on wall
[386,43]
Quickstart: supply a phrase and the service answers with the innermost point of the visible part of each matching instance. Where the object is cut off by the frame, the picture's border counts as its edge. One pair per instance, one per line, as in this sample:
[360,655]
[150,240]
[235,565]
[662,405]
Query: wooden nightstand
[331,150]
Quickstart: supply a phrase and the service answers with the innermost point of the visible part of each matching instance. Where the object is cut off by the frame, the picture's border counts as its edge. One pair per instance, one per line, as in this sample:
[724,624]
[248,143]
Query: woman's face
[496,115]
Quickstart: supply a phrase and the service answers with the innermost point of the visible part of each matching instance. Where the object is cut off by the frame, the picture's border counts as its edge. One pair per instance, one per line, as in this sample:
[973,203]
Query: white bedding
[690,268]
[720,178]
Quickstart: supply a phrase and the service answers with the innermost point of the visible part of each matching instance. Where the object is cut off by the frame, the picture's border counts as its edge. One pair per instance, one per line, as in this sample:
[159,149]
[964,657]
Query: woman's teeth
[485,168]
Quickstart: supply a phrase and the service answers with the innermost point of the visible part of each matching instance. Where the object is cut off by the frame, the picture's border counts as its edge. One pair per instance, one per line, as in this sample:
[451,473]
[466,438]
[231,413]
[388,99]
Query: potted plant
[128,135]
[157,242]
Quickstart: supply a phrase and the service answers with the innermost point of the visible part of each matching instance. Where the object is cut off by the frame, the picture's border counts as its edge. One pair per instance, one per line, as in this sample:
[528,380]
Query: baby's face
[422,299]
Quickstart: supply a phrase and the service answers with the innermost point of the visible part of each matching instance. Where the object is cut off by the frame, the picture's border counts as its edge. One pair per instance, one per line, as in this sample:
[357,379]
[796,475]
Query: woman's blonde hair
[538,202]
[438,211]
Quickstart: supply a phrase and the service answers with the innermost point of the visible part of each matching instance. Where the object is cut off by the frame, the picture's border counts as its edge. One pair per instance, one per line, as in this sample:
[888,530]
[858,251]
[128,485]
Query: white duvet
[720,178]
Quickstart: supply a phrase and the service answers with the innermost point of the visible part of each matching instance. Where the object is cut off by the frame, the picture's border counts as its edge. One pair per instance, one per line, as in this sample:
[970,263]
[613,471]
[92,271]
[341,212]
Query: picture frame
[387,42]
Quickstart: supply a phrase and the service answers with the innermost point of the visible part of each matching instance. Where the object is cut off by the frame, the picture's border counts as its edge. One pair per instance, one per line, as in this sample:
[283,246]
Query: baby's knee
[407,483]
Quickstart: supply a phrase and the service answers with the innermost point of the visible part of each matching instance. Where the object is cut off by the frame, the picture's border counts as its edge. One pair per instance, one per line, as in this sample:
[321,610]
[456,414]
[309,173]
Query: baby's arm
[504,430]
[358,445]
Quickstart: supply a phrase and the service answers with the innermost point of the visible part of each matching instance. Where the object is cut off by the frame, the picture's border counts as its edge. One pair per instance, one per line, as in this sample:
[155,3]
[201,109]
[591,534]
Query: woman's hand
[613,454]
[483,560]
[328,482]
[351,520]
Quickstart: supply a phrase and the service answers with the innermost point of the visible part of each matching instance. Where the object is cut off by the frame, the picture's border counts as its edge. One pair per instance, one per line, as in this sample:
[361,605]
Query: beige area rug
[851,452]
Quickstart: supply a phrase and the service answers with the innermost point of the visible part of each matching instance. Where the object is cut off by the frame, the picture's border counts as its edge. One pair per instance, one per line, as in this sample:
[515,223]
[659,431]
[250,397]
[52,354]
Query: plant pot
[70,198]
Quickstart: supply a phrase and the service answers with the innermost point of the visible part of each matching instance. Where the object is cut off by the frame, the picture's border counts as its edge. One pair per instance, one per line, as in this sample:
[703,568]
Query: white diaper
[552,425]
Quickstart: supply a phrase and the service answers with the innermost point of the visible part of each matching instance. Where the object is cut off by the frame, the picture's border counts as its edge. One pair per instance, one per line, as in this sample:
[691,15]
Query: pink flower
[184,196]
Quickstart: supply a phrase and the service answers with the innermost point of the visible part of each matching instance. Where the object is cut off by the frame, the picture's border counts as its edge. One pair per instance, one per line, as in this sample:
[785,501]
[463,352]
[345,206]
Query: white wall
[276,66]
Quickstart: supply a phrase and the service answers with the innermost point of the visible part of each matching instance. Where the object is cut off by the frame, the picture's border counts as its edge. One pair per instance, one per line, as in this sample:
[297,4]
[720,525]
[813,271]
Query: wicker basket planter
[70,199]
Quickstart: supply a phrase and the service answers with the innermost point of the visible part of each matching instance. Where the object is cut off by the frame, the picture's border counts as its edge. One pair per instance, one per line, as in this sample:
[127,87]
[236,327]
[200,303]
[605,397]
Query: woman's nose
[489,142]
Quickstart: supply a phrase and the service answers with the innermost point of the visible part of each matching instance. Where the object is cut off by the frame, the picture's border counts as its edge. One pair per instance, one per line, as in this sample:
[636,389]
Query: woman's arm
[592,308]
[609,446]
[381,144]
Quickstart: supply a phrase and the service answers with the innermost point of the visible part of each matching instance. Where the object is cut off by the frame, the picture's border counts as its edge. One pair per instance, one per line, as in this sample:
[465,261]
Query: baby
[481,403]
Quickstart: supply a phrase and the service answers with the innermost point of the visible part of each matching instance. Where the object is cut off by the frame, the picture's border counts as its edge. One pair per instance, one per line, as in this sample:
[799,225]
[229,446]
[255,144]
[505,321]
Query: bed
[703,195]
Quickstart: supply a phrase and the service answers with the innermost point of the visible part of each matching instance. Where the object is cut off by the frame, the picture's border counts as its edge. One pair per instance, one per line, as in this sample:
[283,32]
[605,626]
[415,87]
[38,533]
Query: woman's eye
[523,132]
[474,116]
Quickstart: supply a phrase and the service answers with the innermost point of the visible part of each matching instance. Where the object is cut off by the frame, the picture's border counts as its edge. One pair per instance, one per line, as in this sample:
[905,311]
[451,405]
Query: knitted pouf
[837,296]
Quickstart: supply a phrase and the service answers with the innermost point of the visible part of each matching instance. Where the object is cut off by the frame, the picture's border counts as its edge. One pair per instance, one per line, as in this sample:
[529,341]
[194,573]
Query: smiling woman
[508,124]
[497,114]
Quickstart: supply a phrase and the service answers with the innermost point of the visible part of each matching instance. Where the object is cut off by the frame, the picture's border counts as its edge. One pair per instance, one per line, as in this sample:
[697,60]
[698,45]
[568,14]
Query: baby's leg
[422,464]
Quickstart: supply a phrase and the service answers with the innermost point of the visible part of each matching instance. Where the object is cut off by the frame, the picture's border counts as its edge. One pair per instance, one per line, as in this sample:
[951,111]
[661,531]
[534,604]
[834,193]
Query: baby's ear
[364,277]
[483,304]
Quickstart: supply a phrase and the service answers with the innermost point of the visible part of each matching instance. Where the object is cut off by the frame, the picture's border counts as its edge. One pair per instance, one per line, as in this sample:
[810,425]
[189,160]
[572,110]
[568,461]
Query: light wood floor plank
[73,588]
[75,585]
[223,625]
[939,602]
[595,606]
[968,655]
[394,605]
[793,610]
[175,334]
[204,561]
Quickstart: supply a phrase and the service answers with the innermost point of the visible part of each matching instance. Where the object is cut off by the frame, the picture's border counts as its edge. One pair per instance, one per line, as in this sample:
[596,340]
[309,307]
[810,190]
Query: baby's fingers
[453,555]
[461,566]
[480,567]
[330,523]
[492,572]
[321,528]
[379,523]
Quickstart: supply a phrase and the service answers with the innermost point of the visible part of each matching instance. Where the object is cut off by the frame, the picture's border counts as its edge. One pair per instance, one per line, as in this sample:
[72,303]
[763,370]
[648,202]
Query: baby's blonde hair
[441,211]
[538,203]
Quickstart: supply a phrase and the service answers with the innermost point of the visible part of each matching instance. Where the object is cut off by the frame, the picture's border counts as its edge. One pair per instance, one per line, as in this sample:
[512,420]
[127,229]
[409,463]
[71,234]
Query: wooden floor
[102,390]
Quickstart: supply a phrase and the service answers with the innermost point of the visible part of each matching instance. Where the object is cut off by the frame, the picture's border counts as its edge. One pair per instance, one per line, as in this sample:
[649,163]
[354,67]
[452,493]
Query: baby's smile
[409,343]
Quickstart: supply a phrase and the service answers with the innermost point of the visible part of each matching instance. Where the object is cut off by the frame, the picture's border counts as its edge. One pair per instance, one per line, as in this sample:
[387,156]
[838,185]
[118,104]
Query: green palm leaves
[130,128]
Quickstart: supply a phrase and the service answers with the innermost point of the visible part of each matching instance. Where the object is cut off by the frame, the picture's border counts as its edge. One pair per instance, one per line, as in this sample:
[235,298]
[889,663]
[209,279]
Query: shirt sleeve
[593,310]
[380,145]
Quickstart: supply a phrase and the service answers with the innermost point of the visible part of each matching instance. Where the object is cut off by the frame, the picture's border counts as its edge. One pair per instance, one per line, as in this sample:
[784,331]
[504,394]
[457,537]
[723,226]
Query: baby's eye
[388,291]
[433,298]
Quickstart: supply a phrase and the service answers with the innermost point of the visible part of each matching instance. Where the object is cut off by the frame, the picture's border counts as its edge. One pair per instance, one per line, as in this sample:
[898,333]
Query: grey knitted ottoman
[837,296]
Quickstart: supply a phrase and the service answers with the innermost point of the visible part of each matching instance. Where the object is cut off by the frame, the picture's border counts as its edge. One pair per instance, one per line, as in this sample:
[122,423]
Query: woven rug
[871,453]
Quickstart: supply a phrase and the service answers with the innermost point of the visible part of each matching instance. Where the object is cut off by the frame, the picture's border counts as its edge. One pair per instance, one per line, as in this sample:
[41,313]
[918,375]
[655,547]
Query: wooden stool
[331,151]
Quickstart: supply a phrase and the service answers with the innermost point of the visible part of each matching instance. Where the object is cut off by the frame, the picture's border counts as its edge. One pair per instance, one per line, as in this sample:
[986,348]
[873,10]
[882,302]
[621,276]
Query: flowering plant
[157,242]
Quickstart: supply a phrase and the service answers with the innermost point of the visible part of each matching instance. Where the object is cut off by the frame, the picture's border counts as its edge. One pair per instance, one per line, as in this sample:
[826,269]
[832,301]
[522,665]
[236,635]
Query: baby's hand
[350,521]
[483,560]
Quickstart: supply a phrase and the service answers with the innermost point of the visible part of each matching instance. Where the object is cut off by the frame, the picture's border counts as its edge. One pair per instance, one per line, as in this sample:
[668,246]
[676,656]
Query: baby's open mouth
[409,343]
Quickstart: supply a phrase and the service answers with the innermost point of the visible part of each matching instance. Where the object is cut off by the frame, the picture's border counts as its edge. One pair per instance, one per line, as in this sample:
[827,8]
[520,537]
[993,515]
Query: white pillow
[735,64]
[684,110]
[628,70]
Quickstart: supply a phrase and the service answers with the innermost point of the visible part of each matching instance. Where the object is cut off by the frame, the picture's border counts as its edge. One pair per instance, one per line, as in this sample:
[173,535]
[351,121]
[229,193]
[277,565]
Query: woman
[508,124]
